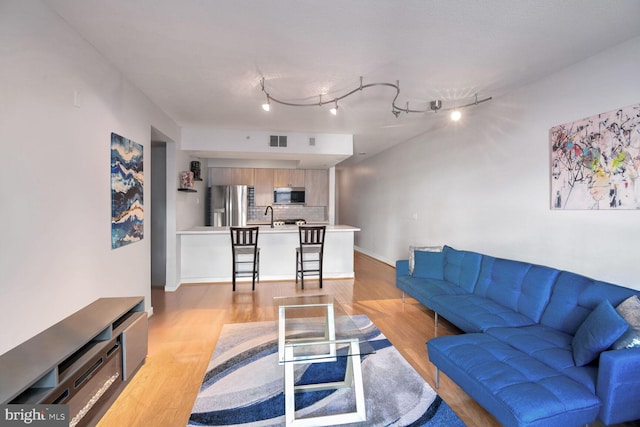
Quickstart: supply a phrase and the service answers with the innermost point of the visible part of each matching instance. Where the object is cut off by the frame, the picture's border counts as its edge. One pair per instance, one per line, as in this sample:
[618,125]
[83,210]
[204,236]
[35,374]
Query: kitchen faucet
[267,210]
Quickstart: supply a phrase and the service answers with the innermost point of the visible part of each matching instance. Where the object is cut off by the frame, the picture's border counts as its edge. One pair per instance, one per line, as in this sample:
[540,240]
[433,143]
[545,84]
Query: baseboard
[171,288]
[263,278]
[376,256]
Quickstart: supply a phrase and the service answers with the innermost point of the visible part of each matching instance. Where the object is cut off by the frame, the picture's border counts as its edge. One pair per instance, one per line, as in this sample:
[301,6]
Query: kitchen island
[205,253]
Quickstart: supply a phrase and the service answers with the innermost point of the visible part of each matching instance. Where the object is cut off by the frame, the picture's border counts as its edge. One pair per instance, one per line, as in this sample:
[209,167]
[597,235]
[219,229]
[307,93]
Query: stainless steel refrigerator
[227,205]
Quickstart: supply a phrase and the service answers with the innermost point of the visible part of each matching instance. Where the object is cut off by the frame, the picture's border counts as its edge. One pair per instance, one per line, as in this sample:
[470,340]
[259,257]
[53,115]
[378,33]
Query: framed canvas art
[127,181]
[595,161]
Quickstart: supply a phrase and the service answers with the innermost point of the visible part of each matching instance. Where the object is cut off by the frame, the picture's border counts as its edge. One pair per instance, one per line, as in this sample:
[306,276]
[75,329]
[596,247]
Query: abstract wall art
[595,161]
[127,181]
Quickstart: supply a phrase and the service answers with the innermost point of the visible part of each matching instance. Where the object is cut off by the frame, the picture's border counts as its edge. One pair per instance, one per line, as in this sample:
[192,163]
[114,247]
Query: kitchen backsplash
[308,213]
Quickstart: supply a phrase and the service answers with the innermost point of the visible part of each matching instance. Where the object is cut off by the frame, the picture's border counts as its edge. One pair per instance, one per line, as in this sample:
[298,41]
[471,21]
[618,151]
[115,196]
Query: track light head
[334,110]
[267,105]
[435,105]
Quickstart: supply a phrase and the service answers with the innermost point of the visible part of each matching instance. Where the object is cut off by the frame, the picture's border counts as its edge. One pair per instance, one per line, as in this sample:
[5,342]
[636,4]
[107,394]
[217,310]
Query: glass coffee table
[316,329]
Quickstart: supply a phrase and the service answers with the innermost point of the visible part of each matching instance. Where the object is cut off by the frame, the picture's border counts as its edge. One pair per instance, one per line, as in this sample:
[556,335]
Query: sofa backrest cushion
[428,265]
[574,297]
[461,267]
[520,286]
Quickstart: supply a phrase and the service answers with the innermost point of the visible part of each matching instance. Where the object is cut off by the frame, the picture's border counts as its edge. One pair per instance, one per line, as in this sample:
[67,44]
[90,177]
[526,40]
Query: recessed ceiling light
[456,115]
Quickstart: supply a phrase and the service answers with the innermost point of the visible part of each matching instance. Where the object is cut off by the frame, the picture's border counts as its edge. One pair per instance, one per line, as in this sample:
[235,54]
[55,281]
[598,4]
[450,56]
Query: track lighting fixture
[434,106]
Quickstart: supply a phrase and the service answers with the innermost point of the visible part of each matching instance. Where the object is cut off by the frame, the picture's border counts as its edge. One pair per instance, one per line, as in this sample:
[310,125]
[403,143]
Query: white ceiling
[201,61]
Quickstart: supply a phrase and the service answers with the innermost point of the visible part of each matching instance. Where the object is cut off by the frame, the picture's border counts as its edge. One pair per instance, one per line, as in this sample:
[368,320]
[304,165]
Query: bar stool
[245,254]
[309,253]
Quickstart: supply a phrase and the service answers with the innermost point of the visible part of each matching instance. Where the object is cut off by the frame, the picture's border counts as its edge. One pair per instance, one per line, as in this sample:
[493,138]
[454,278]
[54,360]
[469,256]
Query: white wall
[55,200]
[484,183]
[189,206]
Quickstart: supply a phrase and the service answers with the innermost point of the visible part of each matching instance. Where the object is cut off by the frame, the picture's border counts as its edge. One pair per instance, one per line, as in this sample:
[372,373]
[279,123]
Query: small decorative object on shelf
[186,182]
[195,168]
[186,179]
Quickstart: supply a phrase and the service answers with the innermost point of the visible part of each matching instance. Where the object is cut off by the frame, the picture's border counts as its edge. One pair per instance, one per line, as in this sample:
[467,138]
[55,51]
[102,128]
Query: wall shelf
[188,190]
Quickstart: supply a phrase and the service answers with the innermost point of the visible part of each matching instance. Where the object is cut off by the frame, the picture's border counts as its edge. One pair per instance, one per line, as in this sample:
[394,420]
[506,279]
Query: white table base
[352,378]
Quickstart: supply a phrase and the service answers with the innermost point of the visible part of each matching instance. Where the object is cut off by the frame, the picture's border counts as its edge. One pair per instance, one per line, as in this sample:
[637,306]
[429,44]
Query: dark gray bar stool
[310,252]
[245,254]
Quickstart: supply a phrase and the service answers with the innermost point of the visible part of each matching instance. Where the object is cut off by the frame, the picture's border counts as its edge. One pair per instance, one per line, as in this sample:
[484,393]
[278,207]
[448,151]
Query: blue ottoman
[515,388]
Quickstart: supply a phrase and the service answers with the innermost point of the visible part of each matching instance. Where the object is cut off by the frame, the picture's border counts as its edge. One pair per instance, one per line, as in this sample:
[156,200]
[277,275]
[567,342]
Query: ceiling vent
[277,141]
[312,141]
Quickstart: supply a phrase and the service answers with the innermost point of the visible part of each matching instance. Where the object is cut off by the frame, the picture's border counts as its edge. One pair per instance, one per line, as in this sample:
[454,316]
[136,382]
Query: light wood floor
[186,324]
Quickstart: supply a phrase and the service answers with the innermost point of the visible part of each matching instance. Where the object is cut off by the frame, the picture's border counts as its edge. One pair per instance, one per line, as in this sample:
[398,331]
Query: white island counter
[205,253]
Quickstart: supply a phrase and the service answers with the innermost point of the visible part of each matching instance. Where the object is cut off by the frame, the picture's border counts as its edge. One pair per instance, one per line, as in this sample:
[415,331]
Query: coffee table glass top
[316,328]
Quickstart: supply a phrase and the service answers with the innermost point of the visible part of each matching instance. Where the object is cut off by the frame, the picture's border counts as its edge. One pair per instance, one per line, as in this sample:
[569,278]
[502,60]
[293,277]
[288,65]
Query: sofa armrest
[619,385]
[402,267]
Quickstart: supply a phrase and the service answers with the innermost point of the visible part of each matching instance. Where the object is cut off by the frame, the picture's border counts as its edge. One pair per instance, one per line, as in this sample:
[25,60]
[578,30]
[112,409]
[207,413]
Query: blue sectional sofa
[537,348]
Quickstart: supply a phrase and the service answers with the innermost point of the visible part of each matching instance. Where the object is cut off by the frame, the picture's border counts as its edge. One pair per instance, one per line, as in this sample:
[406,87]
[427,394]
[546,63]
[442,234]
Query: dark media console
[83,361]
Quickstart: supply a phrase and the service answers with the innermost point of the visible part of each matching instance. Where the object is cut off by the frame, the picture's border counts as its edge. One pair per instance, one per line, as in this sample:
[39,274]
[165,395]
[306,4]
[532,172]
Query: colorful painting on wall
[595,162]
[127,180]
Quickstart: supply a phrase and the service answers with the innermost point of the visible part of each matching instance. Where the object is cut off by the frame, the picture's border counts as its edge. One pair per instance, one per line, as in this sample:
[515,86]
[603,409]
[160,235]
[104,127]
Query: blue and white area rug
[243,385]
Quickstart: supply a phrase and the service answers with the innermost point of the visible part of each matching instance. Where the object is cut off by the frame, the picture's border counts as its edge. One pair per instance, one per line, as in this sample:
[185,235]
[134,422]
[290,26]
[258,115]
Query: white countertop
[265,229]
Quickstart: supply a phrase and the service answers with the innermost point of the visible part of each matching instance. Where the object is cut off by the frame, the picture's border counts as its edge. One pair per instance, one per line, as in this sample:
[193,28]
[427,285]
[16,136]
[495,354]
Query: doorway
[163,212]
[158,213]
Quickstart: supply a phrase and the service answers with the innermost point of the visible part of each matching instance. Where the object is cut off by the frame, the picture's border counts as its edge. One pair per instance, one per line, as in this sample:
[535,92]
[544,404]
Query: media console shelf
[84,361]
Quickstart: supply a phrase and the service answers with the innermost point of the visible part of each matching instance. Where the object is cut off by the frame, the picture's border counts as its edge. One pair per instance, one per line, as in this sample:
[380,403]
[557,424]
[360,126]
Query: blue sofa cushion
[523,287]
[424,290]
[564,311]
[549,346]
[516,388]
[574,297]
[429,265]
[473,313]
[597,333]
[461,267]
[412,251]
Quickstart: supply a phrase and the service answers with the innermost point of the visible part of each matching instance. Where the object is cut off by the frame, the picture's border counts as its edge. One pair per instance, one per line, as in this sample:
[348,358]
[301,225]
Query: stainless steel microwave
[288,195]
